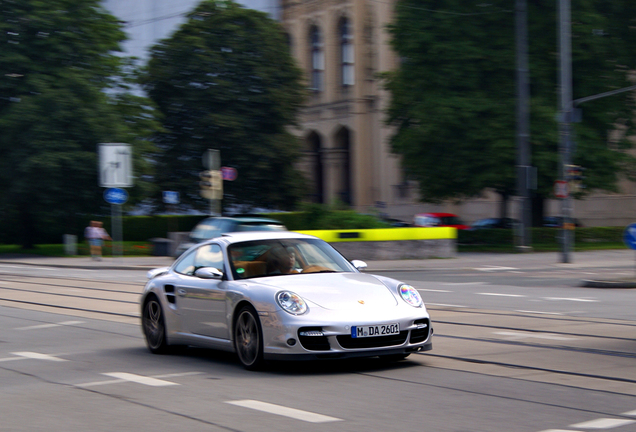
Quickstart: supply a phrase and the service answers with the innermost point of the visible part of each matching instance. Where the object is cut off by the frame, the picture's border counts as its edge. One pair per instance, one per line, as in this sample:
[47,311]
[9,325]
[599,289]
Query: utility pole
[565,119]
[524,171]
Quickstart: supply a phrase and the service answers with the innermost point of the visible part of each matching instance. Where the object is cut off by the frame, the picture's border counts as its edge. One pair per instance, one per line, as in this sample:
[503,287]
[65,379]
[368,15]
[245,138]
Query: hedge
[540,236]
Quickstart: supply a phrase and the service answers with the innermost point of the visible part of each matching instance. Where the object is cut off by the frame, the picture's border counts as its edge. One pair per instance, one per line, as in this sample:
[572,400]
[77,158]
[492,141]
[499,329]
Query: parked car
[490,223]
[438,220]
[557,222]
[216,226]
[280,296]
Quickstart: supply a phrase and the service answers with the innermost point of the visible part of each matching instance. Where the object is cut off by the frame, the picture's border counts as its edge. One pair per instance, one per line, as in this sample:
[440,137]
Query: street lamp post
[565,119]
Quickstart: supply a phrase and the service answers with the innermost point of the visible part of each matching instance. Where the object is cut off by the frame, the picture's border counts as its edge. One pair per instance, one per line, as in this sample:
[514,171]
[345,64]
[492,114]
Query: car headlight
[410,295]
[291,303]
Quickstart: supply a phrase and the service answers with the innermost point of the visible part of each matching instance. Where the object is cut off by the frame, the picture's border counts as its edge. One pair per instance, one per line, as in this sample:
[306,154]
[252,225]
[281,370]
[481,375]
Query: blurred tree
[454,94]
[62,92]
[226,80]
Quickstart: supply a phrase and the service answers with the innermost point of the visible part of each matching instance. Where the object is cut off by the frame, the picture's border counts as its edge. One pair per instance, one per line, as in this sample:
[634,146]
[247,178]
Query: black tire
[394,357]
[154,326]
[248,338]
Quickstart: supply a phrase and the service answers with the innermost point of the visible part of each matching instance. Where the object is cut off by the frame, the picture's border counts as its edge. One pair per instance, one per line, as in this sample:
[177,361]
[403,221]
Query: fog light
[291,342]
[311,333]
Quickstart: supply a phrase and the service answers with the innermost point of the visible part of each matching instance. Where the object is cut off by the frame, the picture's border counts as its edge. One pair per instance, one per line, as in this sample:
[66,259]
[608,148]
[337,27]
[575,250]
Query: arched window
[317,59]
[346,53]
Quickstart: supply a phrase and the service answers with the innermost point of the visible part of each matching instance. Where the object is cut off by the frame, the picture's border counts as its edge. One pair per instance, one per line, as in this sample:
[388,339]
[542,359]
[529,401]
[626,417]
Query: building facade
[342,45]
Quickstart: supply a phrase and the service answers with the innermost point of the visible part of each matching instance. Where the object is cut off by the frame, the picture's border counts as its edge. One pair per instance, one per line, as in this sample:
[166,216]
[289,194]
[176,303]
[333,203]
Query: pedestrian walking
[96,234]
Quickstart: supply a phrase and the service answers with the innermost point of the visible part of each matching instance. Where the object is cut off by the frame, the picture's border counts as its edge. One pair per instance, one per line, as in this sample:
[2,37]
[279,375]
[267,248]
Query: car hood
[336,291]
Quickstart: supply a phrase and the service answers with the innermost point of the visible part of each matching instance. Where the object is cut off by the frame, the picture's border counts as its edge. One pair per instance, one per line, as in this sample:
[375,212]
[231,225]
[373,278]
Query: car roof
[243,219]
[436,214]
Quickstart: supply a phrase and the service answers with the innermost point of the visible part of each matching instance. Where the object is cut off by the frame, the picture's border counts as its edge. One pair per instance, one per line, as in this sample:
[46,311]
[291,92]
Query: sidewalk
[529,261]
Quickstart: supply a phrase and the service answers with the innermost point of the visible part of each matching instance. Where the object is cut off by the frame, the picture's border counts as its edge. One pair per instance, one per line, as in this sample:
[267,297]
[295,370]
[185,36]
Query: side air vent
[169,290]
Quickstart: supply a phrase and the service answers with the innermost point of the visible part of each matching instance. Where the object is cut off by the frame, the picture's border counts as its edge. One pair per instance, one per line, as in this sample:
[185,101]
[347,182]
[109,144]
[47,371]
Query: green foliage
[61,95]
[454,93]
[320,217]
[226,80]
[83,249]
[144,228]
[543,239]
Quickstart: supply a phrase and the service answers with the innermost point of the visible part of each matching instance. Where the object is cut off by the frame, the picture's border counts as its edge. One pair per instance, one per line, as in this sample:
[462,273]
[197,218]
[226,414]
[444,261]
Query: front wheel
[154,326]
[248,339]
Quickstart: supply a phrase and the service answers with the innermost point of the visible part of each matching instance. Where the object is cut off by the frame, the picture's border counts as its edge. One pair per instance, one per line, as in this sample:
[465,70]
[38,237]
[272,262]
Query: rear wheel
[248,338]
[154,327]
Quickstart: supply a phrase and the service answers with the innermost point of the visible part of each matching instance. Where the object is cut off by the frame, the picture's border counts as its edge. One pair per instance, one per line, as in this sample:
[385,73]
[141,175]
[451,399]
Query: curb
[608,284]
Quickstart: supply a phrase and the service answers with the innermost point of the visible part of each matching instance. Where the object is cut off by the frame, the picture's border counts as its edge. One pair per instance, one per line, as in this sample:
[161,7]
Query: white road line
[630,413]
[44,326]
[38,356]
[501,294]
[432,290]
[284,411]
[98,383]
[603,423]
[559,430]
[539,312]
[521,335]
[176,375]
[445,305]
[570,299]
[464,283]
[118,381]
[494,268]
[139,379]
[11,359]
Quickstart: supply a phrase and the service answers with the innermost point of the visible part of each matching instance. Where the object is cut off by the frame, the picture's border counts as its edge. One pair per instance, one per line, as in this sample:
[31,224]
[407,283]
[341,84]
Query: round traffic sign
[229,173]
[629,236]
[115,196]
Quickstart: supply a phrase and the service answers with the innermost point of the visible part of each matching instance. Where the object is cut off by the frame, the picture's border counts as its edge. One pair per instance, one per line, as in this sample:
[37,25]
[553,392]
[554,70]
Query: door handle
[181,292]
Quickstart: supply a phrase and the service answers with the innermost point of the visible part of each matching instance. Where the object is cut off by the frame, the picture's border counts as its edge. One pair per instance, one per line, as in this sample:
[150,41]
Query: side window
[186,264]
[209,256]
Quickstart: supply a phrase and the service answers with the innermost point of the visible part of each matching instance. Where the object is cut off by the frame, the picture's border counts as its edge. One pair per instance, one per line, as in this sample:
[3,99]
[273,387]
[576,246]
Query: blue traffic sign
[171,197]
[629,236]
[115,196]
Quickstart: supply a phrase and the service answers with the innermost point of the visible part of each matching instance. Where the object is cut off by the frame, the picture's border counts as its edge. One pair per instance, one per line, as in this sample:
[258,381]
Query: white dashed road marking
[603,423]
[569,299]
[630,413]
[444,305]
[538,312]
[495,268]
[284,411]
[559,430]
[464,283]
[38,356]
[44,326]
[139,379]
[501,294]
[520,335]
[122,379]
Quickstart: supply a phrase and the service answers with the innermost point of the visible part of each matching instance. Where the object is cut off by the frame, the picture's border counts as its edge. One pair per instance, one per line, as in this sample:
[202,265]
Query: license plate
[375,330]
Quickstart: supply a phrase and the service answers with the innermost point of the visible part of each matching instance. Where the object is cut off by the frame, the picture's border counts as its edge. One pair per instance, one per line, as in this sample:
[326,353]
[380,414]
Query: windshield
[285,257]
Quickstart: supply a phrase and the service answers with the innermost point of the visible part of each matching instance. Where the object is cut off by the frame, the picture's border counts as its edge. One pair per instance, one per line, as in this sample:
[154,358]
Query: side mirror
[208,273]
[360,265]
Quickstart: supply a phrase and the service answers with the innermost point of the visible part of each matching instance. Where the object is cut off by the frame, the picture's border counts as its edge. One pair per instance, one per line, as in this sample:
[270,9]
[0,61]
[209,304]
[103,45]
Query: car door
[202,302]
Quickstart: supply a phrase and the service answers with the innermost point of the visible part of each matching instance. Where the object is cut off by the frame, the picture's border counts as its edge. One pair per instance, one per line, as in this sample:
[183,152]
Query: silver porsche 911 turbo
[280,296]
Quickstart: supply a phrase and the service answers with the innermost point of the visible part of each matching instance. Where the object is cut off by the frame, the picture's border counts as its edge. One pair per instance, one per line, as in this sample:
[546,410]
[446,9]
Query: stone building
[342,45]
